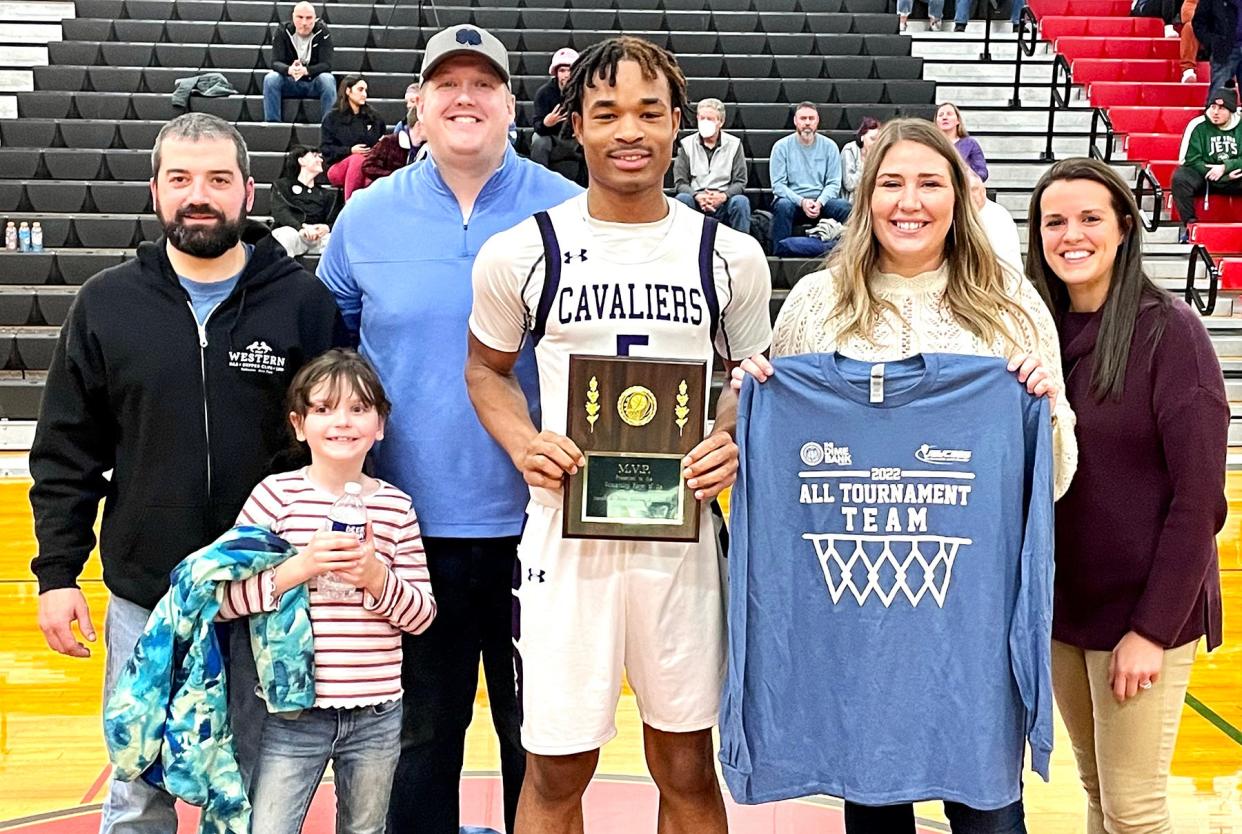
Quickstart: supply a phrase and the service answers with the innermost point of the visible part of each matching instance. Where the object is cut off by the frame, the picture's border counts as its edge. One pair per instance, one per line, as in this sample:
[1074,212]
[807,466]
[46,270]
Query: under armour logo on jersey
[581,256]
[533,575]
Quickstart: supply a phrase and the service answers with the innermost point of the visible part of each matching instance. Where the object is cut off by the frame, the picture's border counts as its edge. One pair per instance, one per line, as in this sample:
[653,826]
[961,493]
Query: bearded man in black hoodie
[170,371]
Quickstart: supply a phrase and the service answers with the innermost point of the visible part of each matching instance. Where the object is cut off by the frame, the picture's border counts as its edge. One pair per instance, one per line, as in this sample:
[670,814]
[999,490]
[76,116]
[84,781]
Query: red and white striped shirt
[357,640]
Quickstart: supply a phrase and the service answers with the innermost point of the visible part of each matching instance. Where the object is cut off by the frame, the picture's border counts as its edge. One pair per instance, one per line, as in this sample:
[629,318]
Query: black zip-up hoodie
[188,421]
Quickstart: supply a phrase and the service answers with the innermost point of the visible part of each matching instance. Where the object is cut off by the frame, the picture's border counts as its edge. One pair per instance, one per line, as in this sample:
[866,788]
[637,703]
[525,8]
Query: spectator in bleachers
[301,64]
[119,394]
[709,173]
[349,131]
[998,223]
[1211,156]
[1188,57]
[854,154]
[301,206]
[806,176]
[949,122]
[471,500]
[963,9]
[551,121]
[1215,23]
[396,150]
[935,13]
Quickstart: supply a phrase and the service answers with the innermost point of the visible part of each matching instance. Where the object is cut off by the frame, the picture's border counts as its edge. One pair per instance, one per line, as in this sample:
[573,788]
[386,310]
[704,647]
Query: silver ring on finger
[1145,685]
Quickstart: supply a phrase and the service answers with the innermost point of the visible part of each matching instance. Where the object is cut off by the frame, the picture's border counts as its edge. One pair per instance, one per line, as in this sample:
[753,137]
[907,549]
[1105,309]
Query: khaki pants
[1123,750]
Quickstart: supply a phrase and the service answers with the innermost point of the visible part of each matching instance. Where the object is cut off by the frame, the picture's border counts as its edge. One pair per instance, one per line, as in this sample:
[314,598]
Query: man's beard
[202,240]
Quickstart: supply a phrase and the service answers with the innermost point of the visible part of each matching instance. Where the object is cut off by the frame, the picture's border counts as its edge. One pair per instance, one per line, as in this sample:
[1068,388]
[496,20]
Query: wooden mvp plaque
[634,420]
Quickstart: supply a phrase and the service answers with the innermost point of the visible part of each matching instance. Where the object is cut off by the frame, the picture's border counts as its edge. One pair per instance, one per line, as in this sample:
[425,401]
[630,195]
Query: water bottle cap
[352,488]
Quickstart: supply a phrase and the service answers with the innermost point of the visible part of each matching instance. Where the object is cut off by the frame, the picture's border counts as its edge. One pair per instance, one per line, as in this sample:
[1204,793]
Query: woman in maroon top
[1137,578]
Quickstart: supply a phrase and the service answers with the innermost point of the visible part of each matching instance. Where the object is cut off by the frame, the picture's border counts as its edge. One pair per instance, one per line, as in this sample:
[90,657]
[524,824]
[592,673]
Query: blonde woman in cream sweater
[913,274]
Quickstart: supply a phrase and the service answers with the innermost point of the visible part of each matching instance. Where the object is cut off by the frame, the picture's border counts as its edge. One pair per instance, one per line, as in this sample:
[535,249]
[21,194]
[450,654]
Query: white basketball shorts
[590,609]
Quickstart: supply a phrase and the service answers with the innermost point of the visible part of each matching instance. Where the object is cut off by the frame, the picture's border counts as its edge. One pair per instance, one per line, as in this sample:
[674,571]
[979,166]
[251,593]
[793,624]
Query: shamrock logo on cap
[469,37]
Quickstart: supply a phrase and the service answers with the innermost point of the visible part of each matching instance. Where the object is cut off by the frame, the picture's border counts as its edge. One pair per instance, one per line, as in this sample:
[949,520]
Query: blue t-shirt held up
[890,583]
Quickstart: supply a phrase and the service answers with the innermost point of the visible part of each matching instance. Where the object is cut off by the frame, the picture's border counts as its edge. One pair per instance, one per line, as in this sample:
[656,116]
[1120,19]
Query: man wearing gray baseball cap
[399,264]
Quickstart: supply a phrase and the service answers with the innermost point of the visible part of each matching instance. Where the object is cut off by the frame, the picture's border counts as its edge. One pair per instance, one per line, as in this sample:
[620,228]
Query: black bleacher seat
[56,196]
[230,108]
[191,31]
[101,9]
[865,24]
[249,12]
[909,92]
[156,107]
[44,105]
[389,60]
[340,14]
[307,135]
[267,137]
[114,80]
[53,308]
[19,398]
[85,29]
[137,135]
[209,10]
[26,267]
[693,42]
[701,88]
[73,163]
[75,53]
[76,266]
[351,36]
[105,232]
[856,92]
[150,9]
[55,228]
[892,67]
[252,34]
[35,352]
[12,194]
[120,198]
[140,31]
[181,54]
[497,18]
[126,165]
[796,66]
[69,79]
[735,22]
[545,19]
[19,163]
[101,106]
[684,5]
[125,54]
[150,228]
[16,310]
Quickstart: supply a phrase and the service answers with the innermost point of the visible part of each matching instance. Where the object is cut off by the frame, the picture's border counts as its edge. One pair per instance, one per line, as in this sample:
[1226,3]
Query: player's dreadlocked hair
[600,60]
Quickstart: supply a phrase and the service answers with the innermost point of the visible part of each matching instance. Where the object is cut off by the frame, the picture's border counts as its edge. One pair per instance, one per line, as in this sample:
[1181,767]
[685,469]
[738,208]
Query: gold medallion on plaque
[637,405]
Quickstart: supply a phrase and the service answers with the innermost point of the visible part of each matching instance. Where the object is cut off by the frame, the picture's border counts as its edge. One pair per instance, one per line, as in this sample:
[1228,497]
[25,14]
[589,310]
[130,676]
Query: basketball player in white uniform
[621,270]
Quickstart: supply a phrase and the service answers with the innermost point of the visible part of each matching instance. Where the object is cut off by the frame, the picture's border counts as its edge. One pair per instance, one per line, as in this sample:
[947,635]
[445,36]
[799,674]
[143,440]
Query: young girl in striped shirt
[337,407]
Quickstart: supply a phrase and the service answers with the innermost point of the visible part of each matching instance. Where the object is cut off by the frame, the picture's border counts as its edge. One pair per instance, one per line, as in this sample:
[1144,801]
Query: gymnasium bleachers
[77,158]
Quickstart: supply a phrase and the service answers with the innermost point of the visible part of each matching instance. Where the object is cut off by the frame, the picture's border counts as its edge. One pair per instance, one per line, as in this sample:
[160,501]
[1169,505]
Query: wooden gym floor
[53,768]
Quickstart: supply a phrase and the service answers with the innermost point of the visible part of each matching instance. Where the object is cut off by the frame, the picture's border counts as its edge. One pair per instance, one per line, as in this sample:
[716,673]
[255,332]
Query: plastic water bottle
[348,515]
[36,237]
[10,236]
[23,236]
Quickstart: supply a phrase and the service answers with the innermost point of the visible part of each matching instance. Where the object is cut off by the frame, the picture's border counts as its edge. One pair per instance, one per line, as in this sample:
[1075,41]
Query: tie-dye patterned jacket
[167,721]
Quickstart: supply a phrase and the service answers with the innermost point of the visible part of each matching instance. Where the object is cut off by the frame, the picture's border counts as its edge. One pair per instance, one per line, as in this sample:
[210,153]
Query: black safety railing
[1143,180]
[1193,295]
[1059,99]
[988,7]
[1098,115]
[1027,25]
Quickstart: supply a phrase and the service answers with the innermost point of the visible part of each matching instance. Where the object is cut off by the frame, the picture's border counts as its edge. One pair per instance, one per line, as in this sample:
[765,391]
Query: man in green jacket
[1211,156]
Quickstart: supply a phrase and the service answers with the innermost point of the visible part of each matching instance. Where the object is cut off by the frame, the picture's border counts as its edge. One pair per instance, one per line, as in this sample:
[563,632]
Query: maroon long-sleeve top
[1136,532]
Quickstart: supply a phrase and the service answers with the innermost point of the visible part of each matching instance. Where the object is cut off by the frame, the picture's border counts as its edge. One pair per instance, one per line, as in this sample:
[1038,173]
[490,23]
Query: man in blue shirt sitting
[806,176]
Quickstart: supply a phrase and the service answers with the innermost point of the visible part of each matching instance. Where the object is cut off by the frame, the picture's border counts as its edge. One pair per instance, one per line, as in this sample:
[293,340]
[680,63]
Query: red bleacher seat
[1152,119]
[1085,8]
[1055,26]
[1219,238]
[1144,146]
[1115,48]
[1230,273]
[1088,70]
[1126,94]
[1162,170]
[1225,209]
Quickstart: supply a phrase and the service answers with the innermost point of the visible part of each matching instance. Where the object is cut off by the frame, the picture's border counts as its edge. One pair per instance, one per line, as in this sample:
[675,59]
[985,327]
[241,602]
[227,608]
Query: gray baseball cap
[464,40]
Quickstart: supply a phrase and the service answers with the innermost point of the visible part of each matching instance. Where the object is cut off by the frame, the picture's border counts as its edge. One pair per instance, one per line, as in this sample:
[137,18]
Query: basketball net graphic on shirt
[885,566]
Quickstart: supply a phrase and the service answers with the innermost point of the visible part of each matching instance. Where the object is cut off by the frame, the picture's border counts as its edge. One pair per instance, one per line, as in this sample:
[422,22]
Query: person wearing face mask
[1211,157]
[709,172]
[806,176]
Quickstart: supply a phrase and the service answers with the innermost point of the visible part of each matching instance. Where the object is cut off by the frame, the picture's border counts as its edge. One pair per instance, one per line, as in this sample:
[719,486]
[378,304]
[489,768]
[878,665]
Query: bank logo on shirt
[813,454]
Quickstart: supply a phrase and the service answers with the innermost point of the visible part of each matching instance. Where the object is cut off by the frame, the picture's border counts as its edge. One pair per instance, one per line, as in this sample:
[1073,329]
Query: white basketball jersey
[680,288]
